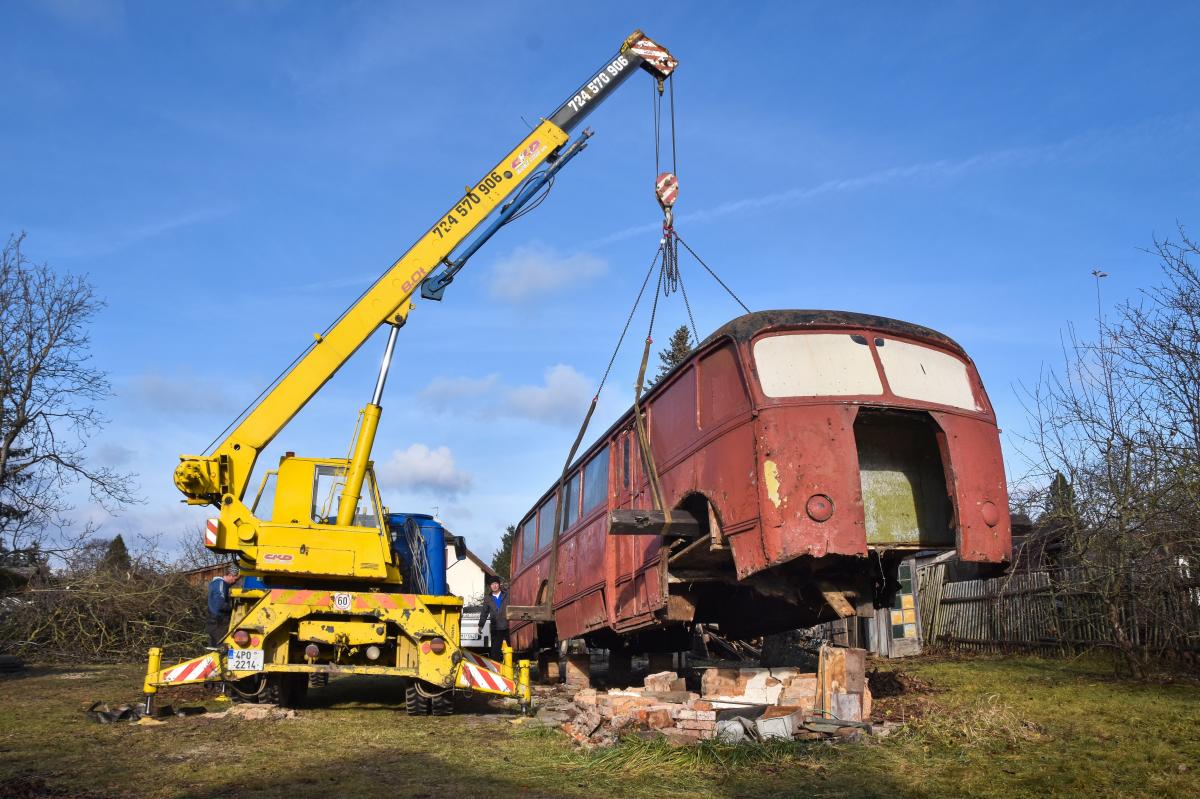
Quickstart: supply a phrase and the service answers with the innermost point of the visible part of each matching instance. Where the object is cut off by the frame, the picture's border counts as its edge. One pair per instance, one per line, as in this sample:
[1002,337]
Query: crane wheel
[285,690]
[443,704]
[414,703]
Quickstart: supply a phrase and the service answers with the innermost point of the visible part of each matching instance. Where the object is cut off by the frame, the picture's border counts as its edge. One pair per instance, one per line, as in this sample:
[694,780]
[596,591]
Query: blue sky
[232,174]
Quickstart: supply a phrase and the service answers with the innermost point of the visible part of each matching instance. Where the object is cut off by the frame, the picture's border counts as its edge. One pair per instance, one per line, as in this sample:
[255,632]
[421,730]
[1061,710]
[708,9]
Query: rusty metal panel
[673,425]
[809,494]
[721,388]
[976,468]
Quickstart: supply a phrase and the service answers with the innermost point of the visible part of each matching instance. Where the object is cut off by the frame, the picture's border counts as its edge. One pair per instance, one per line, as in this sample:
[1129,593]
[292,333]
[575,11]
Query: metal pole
[383,367]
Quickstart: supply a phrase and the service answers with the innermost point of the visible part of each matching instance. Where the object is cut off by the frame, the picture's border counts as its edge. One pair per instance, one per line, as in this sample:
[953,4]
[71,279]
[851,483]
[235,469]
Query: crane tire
[414,703]
[443,704]
[285,690]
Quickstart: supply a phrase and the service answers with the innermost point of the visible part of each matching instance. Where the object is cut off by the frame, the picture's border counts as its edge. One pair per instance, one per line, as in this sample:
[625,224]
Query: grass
[993,728]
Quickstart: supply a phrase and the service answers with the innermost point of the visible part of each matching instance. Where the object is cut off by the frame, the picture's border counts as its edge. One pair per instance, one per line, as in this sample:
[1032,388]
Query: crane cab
[292,528]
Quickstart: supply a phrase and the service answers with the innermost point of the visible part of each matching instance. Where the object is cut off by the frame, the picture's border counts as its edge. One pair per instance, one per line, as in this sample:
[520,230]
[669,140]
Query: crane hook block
[666,188]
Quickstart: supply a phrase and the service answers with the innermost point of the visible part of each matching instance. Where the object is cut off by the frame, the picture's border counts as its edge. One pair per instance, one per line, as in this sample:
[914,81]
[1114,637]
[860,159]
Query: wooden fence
[1047,612]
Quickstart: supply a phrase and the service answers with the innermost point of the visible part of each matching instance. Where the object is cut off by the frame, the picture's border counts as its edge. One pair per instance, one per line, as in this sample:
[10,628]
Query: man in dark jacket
[219,607]
[495,607]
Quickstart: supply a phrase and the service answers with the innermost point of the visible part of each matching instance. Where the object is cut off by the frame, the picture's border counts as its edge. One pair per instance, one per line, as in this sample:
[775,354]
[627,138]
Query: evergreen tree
[1060,499]
[676,352]
[116,557]
[502,557]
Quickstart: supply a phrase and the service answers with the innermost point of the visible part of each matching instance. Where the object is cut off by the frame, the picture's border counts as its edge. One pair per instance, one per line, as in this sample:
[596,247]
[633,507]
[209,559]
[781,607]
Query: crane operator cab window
[328,484]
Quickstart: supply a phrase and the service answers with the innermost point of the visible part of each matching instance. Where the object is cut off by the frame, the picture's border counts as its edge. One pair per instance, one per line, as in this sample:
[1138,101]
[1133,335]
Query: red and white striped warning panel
[195,670]
[210,532]
[666,186]
[482,674]
[655,54]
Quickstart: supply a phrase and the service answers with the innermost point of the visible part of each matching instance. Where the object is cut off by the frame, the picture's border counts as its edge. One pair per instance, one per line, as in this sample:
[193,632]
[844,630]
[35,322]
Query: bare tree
[48,398]
[1117,430]
[194,555]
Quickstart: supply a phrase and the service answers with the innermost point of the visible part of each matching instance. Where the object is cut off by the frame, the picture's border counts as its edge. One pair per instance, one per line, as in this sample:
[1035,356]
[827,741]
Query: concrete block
[847,707]
[697,715]
[548,667]
[579,669]
[664,681]
[722,682]
[800,690]
[690,724]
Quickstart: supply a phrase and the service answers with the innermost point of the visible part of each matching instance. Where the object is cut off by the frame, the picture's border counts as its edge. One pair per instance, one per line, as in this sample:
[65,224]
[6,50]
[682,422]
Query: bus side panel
[807,453]
[579,596]
[976,467]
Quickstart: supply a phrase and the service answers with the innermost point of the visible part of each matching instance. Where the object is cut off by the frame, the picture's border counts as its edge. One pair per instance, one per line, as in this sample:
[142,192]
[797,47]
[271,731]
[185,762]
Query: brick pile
[733,704]
[662,707]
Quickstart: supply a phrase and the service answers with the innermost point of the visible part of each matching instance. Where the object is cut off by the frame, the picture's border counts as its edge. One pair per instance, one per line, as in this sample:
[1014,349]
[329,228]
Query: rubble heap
[734,704]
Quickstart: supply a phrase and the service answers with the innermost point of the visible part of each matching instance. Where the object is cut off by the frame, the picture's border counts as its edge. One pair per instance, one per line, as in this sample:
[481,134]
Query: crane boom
[222,476]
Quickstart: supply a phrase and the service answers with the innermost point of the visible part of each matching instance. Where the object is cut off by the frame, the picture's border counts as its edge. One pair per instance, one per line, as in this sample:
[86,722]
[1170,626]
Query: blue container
[420,541]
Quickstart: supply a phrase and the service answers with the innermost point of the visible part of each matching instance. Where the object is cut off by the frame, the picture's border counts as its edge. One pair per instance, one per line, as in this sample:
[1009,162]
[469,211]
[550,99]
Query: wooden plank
[676,524]
[530,613]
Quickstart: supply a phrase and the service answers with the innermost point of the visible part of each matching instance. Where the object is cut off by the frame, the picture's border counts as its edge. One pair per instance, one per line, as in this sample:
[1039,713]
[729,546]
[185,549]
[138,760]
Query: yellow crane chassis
[314,631]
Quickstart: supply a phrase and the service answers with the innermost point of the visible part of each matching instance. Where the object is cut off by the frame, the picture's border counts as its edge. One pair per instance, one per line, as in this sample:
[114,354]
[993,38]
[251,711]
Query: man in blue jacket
[219,607]
[495,607]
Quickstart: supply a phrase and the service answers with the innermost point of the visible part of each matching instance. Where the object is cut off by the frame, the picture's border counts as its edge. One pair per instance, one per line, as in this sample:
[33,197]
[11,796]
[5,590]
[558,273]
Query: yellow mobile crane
[324,591]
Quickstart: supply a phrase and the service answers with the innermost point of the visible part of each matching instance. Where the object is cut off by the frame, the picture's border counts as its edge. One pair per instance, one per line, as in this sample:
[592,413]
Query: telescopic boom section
[221,477]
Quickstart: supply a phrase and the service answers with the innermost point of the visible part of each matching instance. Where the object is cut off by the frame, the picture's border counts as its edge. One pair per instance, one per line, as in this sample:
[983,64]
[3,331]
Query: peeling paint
[771,473]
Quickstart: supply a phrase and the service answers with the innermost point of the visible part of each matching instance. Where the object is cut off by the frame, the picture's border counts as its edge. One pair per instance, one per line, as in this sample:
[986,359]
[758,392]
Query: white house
[467,578]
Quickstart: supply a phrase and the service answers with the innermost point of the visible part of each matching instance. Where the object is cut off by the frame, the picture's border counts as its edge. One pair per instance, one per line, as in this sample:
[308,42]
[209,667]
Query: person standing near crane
[495,607]
[219,607]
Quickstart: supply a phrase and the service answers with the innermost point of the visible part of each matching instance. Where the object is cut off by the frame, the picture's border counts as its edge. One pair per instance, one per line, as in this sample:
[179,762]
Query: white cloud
[535,269]
[562,398]
[114,455]
[423,469]
[442,390]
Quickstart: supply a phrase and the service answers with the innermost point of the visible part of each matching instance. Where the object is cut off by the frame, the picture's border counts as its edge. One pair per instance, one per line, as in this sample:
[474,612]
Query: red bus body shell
[757,460]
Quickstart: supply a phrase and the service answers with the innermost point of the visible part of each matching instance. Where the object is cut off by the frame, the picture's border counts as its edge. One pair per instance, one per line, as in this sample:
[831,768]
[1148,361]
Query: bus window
[926,374]
[546,524]
[570,511]
[595,481]
[528,541]
[816,365]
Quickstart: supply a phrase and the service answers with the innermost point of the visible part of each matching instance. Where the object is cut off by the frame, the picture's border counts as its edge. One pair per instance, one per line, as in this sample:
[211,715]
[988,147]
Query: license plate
[245,660]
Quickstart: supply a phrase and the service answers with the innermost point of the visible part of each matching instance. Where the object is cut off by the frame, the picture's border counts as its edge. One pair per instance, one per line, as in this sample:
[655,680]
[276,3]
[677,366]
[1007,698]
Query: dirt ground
[988,727]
